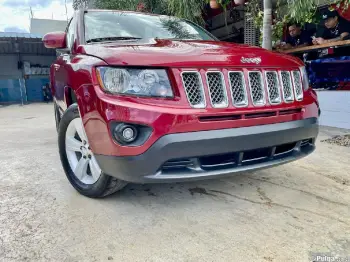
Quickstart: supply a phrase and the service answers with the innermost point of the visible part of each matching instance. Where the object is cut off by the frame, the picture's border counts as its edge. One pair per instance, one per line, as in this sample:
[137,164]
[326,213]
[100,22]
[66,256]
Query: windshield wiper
[113,38]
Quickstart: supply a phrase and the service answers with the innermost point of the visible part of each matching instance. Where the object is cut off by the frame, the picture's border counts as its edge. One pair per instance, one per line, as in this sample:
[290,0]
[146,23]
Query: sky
[15,14]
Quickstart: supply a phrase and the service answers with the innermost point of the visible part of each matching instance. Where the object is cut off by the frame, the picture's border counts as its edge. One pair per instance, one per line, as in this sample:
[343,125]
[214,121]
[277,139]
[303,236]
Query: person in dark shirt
[335,28]
[297,37]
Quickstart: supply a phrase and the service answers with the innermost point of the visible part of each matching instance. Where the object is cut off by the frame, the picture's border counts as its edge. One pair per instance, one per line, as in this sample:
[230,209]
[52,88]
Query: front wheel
[57,115]
[78,160]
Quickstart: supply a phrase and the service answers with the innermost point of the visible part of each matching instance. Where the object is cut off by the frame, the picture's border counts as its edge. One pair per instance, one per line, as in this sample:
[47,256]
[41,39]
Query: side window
[70,33]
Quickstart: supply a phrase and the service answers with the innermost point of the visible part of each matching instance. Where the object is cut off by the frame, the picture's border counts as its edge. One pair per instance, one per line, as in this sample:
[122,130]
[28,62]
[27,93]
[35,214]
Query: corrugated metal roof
[19,35]
[23,43]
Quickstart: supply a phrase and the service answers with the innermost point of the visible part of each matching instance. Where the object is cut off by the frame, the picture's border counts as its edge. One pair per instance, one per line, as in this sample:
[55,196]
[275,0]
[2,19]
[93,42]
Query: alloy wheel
[80,157]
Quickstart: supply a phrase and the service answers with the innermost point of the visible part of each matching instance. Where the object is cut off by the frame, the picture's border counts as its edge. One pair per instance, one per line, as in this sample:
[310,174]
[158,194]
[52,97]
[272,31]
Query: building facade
[24,67]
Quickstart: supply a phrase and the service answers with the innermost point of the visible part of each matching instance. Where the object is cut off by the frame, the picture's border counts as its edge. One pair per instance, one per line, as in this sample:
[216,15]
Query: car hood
[175,53]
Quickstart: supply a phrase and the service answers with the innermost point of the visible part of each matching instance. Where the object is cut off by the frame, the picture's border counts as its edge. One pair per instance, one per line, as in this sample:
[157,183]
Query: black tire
[105,185]
[57,115]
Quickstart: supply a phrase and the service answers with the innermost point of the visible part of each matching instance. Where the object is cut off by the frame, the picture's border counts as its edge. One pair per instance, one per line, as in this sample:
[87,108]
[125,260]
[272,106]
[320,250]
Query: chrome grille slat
[256,88]
[272,85]
[298,88]
[287,86]
[193,85]
[238,89]
[217,89]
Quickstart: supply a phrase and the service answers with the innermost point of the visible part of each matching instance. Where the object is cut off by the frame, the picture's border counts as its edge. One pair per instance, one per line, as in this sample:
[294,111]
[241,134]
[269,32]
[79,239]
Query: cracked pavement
[278,214]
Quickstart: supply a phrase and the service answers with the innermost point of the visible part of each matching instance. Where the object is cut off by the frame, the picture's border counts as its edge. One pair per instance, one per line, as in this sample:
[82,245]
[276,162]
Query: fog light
[125,133]
[128,134]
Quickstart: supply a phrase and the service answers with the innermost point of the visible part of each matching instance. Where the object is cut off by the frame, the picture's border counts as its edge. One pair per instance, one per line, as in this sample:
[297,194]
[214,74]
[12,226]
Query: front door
[59,68]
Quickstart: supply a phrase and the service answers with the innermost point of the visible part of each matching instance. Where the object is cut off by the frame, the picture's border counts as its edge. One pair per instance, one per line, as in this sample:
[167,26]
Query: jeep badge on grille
[255,60]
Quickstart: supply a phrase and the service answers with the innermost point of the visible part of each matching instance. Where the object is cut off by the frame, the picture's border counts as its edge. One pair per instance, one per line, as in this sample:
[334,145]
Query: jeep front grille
[217,89]
[273,88]
[298,86]
[264,87]
[238,89]
[192,83]
[287,86]
[256,88]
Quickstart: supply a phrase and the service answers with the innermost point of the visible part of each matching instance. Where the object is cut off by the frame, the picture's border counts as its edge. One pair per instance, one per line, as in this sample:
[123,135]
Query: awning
[23,43]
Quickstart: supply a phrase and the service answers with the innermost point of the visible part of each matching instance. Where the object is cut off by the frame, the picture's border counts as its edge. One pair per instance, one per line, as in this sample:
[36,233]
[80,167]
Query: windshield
[111,26]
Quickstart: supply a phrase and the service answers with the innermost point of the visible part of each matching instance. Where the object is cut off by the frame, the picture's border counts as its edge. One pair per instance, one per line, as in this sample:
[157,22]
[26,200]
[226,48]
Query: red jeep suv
[145,98]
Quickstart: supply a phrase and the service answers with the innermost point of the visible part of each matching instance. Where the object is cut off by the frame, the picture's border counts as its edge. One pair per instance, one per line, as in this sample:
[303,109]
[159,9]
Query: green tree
[305,11]
[193,10]
[79,3]
[187,9]
[285,10]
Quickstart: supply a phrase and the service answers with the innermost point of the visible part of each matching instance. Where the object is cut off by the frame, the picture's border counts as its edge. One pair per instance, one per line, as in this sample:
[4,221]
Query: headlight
[305,78]
[137,82]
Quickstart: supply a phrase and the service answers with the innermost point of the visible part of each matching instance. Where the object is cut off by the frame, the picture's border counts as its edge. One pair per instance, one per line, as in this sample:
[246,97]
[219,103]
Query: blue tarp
[34,89]
[19,90]
[329,70]
[11,90]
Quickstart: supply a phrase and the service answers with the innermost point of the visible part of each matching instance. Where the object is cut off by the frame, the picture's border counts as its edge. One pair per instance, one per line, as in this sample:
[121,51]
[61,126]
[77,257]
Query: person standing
[47,93]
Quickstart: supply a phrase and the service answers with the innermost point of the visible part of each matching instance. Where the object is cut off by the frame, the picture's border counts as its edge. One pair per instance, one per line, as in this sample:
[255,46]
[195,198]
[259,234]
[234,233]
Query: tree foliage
[304,11]
[128,5]
[79,3]
[187,9]
[280,18]
[300,11]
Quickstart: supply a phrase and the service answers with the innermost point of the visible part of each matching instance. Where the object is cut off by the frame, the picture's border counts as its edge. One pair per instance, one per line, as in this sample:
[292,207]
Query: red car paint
[55,40]
[185,54]
[74,74]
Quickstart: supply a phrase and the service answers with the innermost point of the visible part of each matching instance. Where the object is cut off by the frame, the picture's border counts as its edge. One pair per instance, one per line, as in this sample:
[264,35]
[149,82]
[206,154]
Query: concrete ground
[280,214]
[335,107]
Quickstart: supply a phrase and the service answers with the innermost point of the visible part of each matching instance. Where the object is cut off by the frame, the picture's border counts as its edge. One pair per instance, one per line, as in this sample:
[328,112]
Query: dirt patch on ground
[339,140]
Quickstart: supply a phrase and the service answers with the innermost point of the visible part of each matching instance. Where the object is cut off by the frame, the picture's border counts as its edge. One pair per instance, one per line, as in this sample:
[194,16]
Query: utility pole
[267,24]
[65,4]
[31,12]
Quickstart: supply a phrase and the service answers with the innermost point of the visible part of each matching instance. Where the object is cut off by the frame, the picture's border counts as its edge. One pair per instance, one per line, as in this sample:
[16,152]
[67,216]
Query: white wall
[43,60]
[8,64]
[44,26]
[335,108]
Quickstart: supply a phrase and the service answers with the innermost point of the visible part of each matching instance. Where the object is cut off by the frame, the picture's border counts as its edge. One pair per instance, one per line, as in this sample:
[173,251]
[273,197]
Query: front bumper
[216,153]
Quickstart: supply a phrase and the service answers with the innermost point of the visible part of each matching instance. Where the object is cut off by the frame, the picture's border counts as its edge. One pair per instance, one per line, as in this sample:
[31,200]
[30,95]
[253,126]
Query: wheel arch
[70,96]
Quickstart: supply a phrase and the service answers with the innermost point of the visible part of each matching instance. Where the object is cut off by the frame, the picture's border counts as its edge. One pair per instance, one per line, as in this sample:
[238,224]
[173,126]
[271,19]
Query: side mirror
[55,40]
